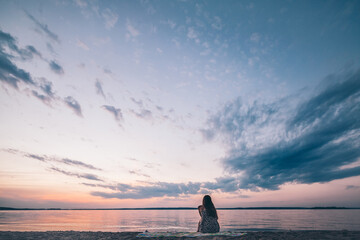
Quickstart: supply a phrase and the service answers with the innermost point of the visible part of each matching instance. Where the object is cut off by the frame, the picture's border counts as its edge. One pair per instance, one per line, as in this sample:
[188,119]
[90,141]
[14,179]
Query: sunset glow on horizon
[115,104]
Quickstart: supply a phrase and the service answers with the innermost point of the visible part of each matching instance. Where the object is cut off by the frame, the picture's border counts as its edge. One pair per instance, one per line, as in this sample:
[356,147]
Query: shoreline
[250,235]
[178,208]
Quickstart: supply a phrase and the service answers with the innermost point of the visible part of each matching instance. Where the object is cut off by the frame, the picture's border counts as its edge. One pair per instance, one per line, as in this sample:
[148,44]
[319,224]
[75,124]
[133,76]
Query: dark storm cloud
[88,176]
[116,112]
[311,143]
[159,189]
[74,105]
[56,68]
[44,28]
[99,89]
[9,72]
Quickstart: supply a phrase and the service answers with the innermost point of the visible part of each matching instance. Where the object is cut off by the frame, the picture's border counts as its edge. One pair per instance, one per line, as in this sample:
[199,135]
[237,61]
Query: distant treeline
[177,208]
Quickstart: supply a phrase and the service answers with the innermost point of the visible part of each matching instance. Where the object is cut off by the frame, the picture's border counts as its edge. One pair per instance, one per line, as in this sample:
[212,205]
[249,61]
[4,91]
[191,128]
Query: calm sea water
[177,220]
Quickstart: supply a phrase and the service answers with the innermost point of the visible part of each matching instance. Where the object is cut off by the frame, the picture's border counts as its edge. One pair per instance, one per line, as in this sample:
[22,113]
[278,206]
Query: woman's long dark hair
[209,206]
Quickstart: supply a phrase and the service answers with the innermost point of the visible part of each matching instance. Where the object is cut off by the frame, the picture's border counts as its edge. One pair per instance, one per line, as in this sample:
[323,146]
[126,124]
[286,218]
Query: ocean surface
[178,220]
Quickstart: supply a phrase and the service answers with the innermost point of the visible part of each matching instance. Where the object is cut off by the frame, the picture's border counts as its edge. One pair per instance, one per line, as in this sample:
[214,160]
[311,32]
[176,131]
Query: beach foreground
[132,235]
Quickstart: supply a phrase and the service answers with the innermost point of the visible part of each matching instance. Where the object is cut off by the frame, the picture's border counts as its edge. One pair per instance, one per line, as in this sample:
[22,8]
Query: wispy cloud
[99,89]
[87,176]
[31,51]
[107,71]
[7,39]
[37,157]
[45,99]
[45,158]
[81,3]
[74,105]
[48,95]
[44,28]
[143,113]
[255,37]
[159,108]
[115,111]
[225,184]
[115,187]
[148,7]
[170,23]
[165,189]
[50,48]
[56,68]
[217,23]
[9,72]
[272,144]
[82,45]
[137,102]
[132,32]
[109,186]
[93,8]
[159,189]
[138,172]
[110,18]
[46,87]
[42,89]
[192,34]
[127,191]
[77,163]
[352,187]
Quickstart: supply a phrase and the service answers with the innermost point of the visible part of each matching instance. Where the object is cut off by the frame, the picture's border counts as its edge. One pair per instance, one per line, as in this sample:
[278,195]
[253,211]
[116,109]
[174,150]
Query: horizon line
[185,208]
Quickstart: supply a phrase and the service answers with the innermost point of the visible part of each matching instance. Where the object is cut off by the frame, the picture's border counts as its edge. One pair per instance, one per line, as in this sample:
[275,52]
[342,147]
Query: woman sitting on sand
[208,222]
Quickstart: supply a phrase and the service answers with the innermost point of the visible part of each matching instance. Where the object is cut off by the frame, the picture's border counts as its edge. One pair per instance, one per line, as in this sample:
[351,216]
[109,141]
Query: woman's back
[207,223]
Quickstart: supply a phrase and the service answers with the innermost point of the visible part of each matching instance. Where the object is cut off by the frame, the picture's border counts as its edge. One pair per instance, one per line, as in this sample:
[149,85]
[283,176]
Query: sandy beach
[353,235]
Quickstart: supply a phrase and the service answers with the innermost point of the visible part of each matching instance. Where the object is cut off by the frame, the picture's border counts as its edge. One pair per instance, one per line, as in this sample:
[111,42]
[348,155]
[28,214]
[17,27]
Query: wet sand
[68,235]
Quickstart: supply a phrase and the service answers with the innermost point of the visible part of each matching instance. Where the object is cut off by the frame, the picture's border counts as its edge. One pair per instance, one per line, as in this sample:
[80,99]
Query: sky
[157,103]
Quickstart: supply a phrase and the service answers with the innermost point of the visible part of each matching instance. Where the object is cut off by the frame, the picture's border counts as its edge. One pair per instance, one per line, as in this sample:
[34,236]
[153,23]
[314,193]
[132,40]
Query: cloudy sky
[156,103]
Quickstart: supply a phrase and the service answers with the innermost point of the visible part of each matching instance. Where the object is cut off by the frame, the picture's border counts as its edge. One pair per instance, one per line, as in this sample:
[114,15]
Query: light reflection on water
[177,220]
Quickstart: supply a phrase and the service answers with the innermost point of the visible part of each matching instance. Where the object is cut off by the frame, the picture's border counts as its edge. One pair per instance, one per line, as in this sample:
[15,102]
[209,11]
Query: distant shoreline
[288,235]
[180,208]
